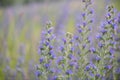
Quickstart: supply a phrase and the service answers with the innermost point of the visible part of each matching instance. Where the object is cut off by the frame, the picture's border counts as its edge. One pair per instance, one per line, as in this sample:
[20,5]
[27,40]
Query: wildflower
[55,78]
[84,24]
[100,44]
[117,71]
[53,56]
[108,67]
[50,30]
[83,15]
[62,49]
[71,49]
[98,58]
[76,37]
[104,31]
[60,60]
[87,68]
[93,49]
[41,60]
[38,73]
[68,72]
[98,36]
[111,51]
[47,65]
[118,60]
[91,74]
[80,30]
[72,64]
[70,56]
[52,70]
[41,48]
[50,47]
[64,40]
[97,75]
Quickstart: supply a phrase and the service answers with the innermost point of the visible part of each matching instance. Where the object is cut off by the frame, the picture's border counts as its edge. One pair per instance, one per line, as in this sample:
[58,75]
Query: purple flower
[72,49]
[108,67]
[72,64]
[80,30]
[76,37]
[103,25]
[97,75]
[70,56]
[91,74]
[38,73]
[64,40]
[118,18]
[117,71]
[84,46]
[60,60]
[50,30]
[53,56]
[92,66]
[55,78]
[52,70]
[87,68]
[41,60]
[104,31]
[68,72]
[47,65]
[84,24]
[91,11]
[93,49]
[111,51]
[50,52]
[50,47]
[62,48]
[118,60]
[98,58]
[100,44]
[83,15]
[41,48]
[98,36]
[46,43]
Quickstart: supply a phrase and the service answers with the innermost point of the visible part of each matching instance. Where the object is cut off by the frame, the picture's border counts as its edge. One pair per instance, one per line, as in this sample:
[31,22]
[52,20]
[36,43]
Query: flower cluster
[77,57]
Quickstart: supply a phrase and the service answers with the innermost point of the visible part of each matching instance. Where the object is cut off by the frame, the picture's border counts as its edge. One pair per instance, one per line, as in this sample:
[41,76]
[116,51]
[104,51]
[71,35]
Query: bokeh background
[21,23]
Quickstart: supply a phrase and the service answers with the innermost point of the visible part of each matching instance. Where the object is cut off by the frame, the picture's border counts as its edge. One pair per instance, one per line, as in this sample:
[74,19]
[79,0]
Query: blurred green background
[21,23]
